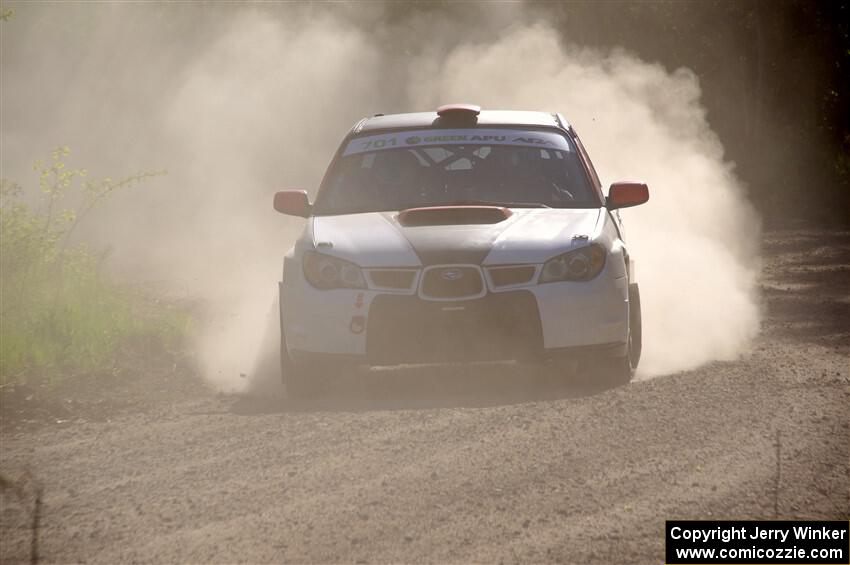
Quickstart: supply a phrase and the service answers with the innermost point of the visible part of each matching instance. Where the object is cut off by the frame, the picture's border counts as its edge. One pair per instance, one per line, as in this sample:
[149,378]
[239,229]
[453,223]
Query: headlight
[579,265]
[326,272]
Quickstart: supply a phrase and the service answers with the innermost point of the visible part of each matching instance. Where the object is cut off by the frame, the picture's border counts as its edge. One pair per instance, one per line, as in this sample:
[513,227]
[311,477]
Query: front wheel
[313,377]
[618,371]
[299,379]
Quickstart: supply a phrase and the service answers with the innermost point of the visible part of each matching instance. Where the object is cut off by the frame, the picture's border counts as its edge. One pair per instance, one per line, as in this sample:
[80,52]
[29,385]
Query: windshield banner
[479,136]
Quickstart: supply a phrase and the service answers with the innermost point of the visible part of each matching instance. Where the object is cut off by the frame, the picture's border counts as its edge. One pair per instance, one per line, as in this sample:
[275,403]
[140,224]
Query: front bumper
[380,328]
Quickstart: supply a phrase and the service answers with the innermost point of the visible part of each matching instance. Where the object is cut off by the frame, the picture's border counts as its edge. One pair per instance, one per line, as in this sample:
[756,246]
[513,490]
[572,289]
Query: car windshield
[413,168]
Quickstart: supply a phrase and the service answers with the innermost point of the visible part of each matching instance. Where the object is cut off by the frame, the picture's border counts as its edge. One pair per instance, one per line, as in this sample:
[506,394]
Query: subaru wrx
[460,235]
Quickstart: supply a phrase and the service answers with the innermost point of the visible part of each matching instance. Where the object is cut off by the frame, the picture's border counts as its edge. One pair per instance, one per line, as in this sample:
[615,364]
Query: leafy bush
[58,311]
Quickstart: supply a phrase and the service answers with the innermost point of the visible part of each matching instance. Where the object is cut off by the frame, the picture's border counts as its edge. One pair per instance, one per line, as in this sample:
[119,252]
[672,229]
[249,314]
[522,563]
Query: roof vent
[468,110]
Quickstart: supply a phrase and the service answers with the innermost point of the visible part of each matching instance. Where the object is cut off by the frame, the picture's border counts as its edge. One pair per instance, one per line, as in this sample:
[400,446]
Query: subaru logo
[451,274]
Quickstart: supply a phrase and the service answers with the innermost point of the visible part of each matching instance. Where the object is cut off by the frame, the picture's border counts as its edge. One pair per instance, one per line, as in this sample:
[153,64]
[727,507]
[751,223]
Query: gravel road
[462,464]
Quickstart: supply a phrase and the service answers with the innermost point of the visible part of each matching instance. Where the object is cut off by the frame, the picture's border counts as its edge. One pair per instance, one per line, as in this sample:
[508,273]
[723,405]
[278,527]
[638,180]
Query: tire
[300,380]
[290,374]
[619,371]
[635,328]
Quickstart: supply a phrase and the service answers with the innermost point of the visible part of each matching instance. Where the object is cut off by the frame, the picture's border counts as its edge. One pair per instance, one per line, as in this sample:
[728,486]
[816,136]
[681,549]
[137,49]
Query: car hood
[529,235]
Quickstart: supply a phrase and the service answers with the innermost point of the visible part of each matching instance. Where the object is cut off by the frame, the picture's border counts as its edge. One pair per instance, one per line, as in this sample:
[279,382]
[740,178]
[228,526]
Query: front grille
[504,276]
[408,329]
[452,282]
[396,279]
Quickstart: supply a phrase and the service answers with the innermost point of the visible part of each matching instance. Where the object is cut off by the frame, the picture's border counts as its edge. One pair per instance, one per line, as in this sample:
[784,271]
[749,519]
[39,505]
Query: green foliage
[58,310]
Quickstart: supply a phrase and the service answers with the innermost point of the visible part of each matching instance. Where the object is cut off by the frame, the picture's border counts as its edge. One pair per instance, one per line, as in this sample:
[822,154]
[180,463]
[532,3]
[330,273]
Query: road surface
[454,464]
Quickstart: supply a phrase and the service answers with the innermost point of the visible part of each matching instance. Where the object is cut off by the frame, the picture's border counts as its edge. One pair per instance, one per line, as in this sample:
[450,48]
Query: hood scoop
[452,215]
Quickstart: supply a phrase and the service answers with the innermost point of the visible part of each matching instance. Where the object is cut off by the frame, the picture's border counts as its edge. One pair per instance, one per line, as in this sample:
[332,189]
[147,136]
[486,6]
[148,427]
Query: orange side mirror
[625,194]
[293,203]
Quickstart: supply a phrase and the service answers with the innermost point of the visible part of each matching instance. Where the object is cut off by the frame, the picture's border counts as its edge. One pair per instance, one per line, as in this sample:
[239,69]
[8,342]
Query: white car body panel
[367,239]
[538,234]
[530,235]
[572,314]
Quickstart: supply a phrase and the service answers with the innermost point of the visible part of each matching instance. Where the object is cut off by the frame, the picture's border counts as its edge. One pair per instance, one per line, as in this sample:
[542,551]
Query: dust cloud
[239,101]
[696,241]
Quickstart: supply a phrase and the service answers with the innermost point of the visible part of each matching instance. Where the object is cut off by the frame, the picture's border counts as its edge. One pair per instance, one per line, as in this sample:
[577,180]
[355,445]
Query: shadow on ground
[807,285]
[424,387]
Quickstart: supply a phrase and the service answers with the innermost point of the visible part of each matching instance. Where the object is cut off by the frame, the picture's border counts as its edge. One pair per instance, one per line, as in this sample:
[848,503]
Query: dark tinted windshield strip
[475,136]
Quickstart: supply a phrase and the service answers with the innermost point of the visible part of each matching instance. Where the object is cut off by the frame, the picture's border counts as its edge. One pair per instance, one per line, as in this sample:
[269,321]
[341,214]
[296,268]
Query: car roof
[485,118]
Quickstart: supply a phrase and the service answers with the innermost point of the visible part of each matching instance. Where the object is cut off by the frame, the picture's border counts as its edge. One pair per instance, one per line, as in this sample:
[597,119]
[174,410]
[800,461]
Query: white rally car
[460,235]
